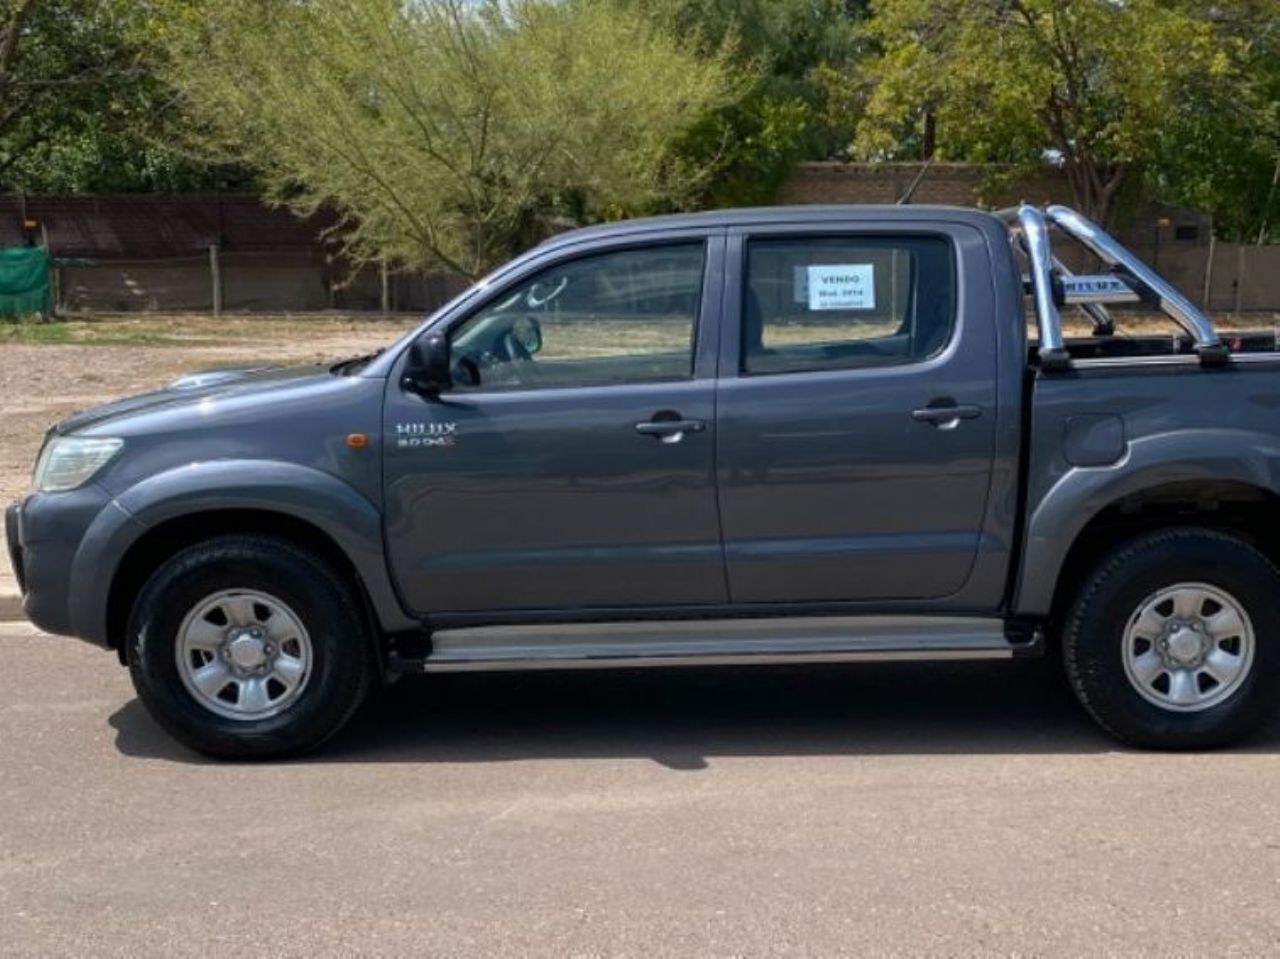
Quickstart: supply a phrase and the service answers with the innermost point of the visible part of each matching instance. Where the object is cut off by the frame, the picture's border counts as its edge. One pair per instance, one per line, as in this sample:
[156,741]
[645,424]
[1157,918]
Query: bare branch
[9,46]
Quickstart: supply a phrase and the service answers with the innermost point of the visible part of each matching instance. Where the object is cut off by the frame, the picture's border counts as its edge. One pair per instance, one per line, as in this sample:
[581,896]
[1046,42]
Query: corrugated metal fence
[205,254]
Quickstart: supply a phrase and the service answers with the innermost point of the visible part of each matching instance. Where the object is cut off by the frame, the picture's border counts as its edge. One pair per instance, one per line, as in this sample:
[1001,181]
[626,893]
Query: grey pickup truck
[752,436]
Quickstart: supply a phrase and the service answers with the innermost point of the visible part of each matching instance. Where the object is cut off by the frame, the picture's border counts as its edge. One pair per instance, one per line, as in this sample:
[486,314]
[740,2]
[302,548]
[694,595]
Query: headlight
[68,461]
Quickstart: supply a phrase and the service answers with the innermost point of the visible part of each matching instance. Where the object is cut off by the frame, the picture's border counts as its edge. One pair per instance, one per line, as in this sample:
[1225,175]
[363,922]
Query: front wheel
[1174,640]
[246,646]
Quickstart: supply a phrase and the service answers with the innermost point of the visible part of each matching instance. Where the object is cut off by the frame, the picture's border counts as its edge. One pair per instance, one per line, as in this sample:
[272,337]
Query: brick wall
[956,184]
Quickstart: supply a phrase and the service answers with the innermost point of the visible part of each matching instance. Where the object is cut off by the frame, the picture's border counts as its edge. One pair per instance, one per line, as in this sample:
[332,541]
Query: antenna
[905,199]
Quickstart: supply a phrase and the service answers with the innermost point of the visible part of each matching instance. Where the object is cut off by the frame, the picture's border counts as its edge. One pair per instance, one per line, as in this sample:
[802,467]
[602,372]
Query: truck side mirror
[427,372]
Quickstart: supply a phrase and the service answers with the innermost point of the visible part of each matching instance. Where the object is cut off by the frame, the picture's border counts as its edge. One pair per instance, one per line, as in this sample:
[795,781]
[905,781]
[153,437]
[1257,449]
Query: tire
[294,647]
[1206,606]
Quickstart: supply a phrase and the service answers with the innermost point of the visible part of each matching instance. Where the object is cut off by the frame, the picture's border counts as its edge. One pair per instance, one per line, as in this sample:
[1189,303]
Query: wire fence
[1220,277]
[291,281]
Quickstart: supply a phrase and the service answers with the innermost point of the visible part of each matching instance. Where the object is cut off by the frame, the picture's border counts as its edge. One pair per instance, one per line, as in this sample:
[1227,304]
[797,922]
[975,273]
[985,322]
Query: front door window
[606,320]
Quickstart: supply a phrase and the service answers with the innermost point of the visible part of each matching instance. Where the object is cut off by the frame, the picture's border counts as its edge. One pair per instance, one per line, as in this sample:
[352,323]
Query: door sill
[707,642]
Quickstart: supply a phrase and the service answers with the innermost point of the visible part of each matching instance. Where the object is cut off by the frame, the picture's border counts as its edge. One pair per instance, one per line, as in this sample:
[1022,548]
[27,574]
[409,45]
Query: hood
[191,388]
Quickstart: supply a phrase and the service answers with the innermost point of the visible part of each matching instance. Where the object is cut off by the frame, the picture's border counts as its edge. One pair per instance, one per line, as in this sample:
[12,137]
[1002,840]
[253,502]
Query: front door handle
[670,430]
[946,415]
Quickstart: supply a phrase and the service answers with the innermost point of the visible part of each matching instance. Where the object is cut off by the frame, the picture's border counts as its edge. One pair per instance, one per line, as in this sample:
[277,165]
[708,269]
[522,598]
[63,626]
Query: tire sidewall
[339,661]
[1094,645]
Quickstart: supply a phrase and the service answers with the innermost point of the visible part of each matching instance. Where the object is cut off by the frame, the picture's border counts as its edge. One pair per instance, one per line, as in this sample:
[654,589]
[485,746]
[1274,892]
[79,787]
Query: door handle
[670,431]
[946,416]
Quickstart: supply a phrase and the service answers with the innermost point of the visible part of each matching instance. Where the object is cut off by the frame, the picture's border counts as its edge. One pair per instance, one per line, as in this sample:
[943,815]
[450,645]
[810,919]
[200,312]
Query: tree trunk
[9,44]
[1093,187]
[929,142]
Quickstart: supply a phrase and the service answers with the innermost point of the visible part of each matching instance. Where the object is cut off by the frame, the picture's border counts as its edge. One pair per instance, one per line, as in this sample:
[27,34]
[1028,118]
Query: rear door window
[841,302]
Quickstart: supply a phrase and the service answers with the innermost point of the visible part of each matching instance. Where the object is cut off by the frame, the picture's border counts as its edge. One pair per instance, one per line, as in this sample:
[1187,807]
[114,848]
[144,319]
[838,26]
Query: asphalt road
[803,810]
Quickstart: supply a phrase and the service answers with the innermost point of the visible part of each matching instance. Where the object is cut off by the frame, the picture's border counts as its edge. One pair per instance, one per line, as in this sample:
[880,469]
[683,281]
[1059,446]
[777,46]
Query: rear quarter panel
[1102,432]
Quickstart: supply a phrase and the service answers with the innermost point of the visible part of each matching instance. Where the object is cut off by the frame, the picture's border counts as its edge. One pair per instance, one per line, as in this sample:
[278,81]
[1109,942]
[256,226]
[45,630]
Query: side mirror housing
[427,372]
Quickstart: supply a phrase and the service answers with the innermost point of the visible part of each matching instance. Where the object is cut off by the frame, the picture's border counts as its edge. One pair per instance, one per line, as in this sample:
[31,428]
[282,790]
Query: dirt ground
[43,381]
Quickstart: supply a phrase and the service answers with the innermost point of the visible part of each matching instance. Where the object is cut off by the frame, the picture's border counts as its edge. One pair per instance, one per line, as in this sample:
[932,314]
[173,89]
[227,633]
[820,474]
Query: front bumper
[44,534]
[15,547]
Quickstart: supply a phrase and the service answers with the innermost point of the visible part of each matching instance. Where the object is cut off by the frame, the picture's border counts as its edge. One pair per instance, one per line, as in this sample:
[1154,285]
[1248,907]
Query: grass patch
[34,333]
[194,330]
[91,334]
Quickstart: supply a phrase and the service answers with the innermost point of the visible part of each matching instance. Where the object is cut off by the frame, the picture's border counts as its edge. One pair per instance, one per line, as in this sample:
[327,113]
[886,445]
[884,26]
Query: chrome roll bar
[1035,242]
[1173,303]
[1130,280]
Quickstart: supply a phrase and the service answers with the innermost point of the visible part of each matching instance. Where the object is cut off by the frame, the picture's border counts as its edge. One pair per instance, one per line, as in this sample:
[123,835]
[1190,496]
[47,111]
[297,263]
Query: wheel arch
[169,512]
[1242,509]
[150,550]
[1223,479]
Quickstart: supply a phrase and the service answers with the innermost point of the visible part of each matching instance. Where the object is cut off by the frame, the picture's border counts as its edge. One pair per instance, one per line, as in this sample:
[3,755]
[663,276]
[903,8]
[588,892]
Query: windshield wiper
[353,365]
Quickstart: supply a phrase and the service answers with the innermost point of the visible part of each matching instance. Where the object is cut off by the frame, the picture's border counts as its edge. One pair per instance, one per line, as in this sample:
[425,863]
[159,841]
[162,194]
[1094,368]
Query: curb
[11,607]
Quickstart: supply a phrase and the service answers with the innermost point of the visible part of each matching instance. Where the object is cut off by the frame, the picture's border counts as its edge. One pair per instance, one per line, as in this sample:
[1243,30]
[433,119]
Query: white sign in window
[844,287]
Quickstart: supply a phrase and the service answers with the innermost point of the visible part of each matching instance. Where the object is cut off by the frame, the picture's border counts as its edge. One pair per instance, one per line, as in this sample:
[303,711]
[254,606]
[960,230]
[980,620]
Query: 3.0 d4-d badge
[411,435]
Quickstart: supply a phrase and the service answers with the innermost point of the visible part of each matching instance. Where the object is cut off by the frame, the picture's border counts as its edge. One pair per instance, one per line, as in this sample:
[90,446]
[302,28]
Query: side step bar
[706,642]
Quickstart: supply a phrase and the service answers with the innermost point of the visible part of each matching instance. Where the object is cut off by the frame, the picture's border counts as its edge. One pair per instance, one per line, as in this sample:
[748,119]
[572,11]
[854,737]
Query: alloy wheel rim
[1188,647]
[243,654]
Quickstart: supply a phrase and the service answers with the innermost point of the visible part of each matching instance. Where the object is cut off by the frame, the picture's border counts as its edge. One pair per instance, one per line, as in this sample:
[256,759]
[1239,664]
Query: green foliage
[1221,150]
[81,108]
[455,132]
[448,133]
[785,46]
[1114,92]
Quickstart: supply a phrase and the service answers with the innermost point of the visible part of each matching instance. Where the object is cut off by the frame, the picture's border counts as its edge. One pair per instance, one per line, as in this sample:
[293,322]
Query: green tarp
[24,281]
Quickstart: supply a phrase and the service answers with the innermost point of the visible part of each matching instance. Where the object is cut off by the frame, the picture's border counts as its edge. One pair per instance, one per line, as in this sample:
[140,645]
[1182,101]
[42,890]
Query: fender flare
[1053,525]
[319,499]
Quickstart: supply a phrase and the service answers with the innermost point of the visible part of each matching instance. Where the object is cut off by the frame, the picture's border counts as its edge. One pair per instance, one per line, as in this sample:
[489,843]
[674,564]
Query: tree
[1094,86]
[80,106]
[1221,153]
[447,133]
[787,47]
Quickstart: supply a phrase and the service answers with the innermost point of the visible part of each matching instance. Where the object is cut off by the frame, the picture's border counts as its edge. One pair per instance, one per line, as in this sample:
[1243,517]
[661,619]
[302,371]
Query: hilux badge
[414,435]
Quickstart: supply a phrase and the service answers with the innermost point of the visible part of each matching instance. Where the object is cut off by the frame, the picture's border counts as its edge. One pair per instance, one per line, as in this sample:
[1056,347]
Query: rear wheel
[246,646]
[1174,640]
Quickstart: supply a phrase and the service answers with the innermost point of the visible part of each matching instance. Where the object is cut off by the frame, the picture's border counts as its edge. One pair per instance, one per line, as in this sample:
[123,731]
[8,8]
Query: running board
[706,642]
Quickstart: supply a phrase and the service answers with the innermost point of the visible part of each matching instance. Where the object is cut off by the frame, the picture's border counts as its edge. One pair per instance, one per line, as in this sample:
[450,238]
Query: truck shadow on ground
[681,717]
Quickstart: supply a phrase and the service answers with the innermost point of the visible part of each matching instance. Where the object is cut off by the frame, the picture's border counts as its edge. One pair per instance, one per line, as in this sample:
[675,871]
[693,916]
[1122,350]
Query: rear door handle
[670,431]
[946,417]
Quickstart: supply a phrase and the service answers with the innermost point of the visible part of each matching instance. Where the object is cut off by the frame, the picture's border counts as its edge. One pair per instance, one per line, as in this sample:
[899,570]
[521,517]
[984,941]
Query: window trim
[874,233]
[704,347]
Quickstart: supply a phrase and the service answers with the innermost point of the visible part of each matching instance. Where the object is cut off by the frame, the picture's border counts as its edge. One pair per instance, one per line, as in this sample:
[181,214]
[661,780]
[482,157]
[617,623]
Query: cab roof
[769,215]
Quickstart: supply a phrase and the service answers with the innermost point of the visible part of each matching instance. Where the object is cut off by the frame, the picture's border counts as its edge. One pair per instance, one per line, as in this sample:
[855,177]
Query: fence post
[215,275]
[1208,270]
[386,287]
[1239,278]
[55,293]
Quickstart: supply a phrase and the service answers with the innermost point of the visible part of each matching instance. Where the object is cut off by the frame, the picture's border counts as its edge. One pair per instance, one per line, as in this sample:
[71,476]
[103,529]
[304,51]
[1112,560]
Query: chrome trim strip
[1256,357]
[1182,359]
[725,659]
[743,641]
[1108,362]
